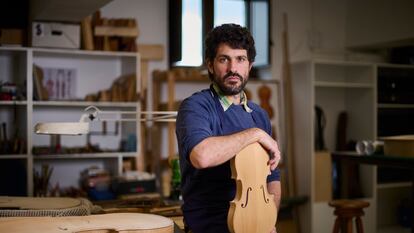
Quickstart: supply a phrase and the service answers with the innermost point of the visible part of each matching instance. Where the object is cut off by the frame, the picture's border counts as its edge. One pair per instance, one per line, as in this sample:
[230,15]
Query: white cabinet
[335,87]
[94,71]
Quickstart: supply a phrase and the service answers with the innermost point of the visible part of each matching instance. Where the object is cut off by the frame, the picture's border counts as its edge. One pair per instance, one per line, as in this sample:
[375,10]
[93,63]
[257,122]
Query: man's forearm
[214,151]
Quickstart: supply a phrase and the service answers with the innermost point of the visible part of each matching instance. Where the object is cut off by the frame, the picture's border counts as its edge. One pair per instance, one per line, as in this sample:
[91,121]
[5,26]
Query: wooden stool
[345,210]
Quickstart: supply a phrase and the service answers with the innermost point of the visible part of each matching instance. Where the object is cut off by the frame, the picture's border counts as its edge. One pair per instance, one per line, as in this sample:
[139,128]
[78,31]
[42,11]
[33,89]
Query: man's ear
[210,67]
[250,66]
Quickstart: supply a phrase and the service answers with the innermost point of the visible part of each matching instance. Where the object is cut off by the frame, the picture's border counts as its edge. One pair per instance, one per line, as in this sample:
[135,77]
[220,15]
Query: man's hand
[271,146]
[273,162]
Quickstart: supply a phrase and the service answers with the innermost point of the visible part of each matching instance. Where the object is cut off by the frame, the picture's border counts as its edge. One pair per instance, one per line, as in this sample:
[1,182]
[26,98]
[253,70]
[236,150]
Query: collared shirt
[226,102]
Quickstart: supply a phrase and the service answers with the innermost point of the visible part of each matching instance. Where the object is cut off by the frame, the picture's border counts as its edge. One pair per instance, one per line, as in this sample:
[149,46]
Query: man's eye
[241,59]
[223,59]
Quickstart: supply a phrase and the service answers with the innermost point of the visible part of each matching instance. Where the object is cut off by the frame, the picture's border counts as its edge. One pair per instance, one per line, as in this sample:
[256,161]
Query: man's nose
[232,66]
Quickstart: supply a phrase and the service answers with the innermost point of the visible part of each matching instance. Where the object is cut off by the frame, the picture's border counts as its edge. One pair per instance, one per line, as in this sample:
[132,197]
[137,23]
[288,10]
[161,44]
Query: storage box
[11,37]
[55,35]
[401,145]
[323,176]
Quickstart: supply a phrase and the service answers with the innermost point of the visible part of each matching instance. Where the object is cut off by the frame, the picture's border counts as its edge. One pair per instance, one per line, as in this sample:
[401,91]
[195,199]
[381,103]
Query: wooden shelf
[102,155]
[15,156]
[72,52]
[343,84]
[13,102]
[85,104]
[395,105]
[382,186]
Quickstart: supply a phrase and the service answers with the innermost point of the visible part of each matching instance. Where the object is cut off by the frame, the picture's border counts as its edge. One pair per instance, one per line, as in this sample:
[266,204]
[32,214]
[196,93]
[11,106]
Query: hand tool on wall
[1,142]
[320,123]
[5,142]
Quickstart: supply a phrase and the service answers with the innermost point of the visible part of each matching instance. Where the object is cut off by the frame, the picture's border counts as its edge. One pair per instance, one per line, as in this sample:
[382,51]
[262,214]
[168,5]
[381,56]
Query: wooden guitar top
[105,223]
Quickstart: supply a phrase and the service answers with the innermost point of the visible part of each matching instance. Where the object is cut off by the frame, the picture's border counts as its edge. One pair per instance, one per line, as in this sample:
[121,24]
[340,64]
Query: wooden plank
[323,176]
[116,31]
[144,81]
[158,76]
[151,51]
[171,125]
[290,137]
[289,111]
[87,36]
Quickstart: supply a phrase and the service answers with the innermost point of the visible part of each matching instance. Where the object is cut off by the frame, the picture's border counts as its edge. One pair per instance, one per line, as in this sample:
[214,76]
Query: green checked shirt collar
[226,102]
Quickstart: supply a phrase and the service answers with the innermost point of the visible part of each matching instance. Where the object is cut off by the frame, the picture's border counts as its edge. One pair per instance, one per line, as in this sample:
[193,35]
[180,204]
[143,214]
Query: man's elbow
[198,160]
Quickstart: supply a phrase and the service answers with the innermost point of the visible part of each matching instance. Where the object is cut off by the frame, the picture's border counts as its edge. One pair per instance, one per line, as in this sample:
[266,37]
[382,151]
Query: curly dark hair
[235,36]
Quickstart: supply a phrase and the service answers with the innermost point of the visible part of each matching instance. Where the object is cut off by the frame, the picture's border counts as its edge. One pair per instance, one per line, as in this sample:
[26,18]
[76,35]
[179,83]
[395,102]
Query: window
[190,20]
[230,11]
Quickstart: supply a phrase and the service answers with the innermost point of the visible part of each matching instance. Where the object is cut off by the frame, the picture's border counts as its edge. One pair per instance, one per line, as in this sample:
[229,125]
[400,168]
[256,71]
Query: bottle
[175,180]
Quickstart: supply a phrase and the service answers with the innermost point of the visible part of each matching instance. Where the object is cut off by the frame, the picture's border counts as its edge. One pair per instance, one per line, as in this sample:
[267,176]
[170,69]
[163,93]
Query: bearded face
[231,83]
[230,69]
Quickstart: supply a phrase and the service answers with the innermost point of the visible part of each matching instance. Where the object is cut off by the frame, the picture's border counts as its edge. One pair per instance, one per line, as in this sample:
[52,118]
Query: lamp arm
[96,113]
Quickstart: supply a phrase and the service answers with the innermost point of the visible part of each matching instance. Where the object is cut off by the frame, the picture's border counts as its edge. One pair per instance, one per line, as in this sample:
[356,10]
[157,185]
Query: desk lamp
[95,114]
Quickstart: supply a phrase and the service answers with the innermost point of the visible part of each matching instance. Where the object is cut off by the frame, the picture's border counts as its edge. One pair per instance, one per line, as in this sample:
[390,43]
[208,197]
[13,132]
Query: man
[213,125]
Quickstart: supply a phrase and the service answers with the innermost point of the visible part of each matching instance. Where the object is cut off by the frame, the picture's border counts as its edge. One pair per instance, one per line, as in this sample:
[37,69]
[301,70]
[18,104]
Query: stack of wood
[109,34]
[123,89]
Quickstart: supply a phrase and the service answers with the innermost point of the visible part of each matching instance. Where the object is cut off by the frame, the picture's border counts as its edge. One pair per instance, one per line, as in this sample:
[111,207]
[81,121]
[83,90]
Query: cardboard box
[11,36]
[323,176]
[401,145]
[55,35]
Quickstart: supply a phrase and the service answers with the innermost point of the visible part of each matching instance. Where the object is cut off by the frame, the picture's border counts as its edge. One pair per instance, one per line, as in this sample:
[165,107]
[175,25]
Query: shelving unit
[393,118]
[95,71]
[335,87]
[338,86]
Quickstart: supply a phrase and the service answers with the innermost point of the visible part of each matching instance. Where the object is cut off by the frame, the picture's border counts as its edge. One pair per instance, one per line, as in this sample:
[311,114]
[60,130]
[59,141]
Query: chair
[346,210]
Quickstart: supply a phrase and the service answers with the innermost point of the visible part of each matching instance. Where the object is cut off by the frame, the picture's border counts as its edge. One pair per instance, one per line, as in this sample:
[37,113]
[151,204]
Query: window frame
[175,29]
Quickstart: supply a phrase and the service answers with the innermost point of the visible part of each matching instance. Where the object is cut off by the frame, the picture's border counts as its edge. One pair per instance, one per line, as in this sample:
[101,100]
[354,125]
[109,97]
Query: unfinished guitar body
[253,209]
[105,223]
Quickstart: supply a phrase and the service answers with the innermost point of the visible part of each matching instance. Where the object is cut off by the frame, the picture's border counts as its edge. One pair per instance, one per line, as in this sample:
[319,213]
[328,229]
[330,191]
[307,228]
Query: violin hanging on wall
[253,209]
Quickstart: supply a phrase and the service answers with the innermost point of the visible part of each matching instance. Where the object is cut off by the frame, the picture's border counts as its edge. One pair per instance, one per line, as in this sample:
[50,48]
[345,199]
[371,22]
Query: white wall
[152,18]
[314,26]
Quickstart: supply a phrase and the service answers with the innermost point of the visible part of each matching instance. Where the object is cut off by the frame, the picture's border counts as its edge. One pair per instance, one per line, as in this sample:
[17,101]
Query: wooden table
[381,160]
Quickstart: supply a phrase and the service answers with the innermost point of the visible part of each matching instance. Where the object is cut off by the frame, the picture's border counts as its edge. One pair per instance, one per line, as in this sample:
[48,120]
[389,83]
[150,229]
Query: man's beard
[230,89]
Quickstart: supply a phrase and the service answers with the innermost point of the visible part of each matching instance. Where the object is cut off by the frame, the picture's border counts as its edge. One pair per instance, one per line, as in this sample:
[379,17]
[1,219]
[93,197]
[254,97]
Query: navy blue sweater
[208,192]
